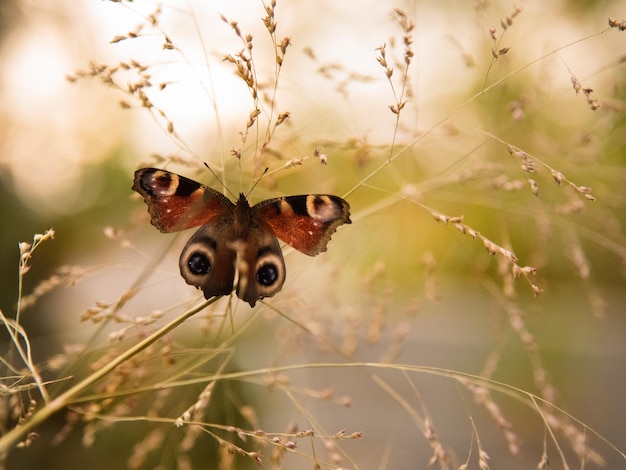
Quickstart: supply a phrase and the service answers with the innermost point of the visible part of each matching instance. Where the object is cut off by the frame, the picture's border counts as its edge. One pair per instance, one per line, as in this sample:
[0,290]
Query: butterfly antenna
[257,181]
[220,180]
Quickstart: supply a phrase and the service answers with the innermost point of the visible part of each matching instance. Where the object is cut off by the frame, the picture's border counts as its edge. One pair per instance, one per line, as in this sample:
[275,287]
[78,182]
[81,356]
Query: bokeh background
[397,286]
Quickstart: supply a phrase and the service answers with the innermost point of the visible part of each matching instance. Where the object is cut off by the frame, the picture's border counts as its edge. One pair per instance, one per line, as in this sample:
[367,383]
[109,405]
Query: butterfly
[236,244]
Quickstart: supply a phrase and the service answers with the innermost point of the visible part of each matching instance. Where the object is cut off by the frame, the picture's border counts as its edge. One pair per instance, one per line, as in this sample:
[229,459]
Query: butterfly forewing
[177,203]
[305,222]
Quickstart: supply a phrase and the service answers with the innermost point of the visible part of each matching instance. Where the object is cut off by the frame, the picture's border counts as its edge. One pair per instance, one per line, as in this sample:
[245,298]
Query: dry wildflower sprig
[247,71]
[195,412]
[400,98]
[270,24]
[528,165]
[198,428]
[497,50]
[591,100]
[199,407]
[151,19]
[27,249]
[243,65]
[407,26]
[19,337]
[12,437]
[299,161]
[619,24]
[282,442]
[494,249]
[439,453]
[111,310]
[483,397]
[134,79]
[26,253]
[557,422]
[575,252]
[482,387]
[137,90]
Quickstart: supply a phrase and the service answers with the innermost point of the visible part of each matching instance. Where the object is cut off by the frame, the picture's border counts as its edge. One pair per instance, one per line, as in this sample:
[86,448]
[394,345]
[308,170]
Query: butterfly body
[236,244]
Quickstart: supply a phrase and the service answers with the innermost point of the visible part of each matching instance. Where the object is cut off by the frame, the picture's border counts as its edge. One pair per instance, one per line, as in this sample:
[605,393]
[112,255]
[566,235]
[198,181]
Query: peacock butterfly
[237,240]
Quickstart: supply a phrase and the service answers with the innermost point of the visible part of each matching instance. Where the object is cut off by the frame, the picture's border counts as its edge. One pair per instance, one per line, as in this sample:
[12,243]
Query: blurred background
[491,91]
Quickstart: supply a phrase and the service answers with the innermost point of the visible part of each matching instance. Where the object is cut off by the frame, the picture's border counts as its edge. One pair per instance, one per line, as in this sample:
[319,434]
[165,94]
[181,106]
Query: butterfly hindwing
[260,264]
[236,244]
[207,262]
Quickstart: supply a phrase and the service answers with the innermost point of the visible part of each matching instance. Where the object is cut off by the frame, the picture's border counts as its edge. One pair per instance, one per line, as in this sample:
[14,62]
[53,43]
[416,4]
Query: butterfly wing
[305,222]
[177,203]
[207,262]
[260,264]
[235,244]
